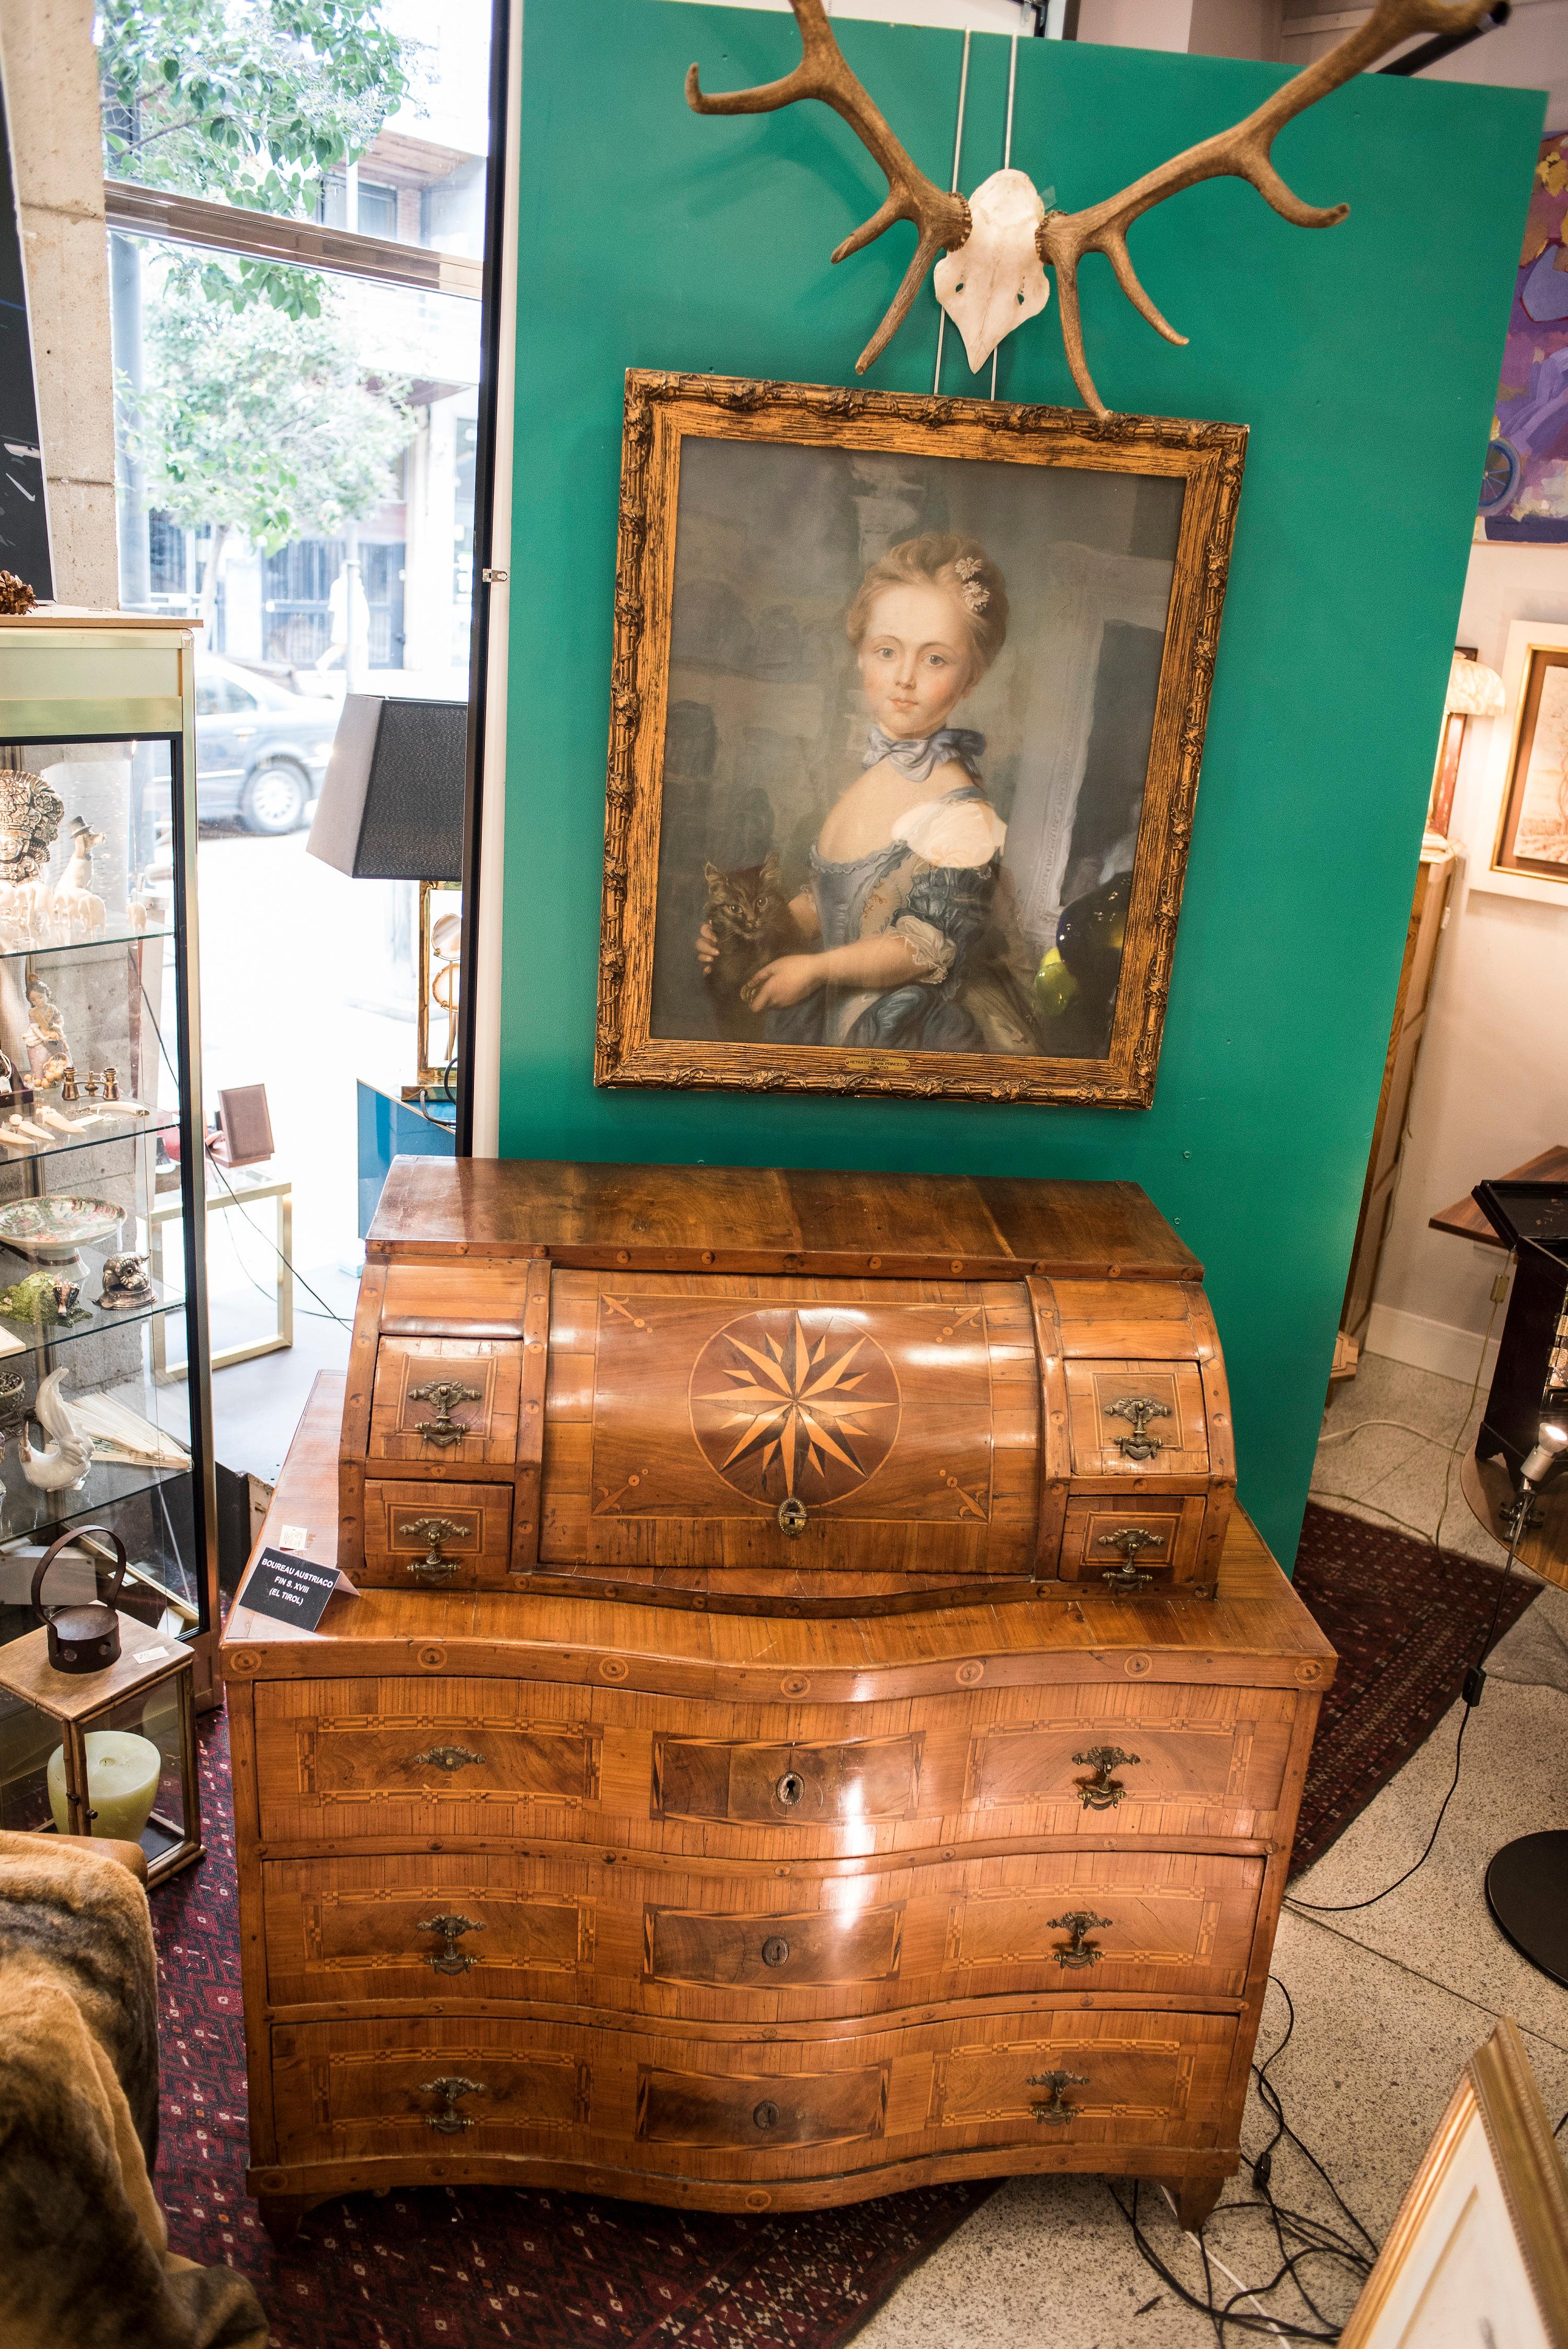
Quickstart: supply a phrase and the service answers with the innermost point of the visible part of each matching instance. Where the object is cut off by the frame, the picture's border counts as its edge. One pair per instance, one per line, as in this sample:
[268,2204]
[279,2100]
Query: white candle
[123,1772]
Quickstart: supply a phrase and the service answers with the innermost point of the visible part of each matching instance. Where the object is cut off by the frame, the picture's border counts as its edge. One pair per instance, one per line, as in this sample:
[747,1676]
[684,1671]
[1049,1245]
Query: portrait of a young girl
[899,933]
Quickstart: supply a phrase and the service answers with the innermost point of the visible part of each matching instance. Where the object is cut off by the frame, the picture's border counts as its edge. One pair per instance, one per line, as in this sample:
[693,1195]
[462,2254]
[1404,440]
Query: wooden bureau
[710,1900]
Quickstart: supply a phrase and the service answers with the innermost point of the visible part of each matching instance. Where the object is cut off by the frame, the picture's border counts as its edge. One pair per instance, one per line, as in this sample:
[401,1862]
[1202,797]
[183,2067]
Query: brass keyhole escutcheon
[443,1392]
[1102,1791]
[775,1950]
[793,1517]
[1059,2108]
[791,1788]
[1138,1410]
[452,2085]
[434,1566]
[1078,1952]
[450,1959]
[766,2115]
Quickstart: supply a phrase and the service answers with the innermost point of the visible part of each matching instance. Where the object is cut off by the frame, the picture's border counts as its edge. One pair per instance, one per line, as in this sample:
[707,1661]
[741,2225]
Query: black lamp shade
[391,805]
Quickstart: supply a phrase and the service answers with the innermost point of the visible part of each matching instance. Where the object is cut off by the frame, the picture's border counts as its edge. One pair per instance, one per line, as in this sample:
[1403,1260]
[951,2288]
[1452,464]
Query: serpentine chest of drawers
[748,1778]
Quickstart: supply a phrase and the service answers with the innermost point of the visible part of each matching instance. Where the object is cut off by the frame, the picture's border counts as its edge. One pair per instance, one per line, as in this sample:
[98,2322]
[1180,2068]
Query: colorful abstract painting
[1524,494]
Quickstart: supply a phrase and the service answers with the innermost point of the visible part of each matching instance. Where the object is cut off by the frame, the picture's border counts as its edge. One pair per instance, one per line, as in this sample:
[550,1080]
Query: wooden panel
[1104,1418]
[1140,1320]
[466,1526]
[686,1940]
[455,1301]
[489,1370]
[743,2113]
[838,1944]
[1095,1523]
[681,1413]
[675,2106]
[787,1785]
[1194,1747]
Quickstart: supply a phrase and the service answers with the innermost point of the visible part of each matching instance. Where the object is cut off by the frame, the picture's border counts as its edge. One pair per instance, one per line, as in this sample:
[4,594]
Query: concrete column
[56,144]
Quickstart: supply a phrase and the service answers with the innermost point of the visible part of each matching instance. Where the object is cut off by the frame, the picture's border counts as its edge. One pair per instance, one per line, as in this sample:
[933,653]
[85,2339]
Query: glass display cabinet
[100,1125]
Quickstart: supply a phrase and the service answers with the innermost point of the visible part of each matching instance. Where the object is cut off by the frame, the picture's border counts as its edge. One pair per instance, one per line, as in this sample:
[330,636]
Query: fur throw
[84,2257]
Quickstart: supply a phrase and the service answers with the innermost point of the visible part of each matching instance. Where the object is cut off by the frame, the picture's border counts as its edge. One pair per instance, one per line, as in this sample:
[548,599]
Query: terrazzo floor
[1389,2001]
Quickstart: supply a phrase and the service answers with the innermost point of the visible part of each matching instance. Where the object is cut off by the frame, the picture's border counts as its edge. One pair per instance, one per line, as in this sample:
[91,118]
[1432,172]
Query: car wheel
[274,799]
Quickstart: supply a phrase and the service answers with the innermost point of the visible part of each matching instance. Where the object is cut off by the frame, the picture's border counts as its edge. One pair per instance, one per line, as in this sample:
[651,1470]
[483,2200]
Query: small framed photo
[1521,831]
[906,718]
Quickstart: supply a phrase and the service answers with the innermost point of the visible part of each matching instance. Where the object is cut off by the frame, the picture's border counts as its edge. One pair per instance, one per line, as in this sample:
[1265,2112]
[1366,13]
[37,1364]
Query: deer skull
[996,280]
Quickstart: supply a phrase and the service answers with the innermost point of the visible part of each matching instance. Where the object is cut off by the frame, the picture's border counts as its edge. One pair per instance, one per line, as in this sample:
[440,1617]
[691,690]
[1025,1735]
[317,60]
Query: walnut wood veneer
[745,1911]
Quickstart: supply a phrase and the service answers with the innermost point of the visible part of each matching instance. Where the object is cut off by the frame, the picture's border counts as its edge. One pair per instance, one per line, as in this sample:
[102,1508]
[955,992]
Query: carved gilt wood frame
[661,411]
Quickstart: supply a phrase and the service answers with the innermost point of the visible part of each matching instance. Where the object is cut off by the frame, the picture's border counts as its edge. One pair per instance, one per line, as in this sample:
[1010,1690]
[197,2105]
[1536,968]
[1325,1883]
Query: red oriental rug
[473,2267]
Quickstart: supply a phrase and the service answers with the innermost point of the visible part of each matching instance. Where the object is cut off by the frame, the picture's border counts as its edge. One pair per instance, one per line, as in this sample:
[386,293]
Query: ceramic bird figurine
[62,1465]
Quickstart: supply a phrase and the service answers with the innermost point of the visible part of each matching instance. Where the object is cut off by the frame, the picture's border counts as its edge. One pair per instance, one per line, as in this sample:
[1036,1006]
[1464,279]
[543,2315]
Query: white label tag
[294,1536]
[149,1655]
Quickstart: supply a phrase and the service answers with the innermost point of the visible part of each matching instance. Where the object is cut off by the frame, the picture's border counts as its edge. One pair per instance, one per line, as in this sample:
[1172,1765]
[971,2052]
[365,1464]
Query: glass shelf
[85,945]
[108,1483]
[89,1272]
[97,1137]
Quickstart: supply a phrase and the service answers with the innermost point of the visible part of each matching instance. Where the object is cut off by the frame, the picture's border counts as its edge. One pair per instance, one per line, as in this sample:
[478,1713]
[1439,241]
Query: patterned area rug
[474,2266]
[1408,1622]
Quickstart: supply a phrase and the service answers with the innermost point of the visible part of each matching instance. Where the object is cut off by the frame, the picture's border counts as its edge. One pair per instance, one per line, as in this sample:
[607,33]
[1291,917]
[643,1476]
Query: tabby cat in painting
[750,924]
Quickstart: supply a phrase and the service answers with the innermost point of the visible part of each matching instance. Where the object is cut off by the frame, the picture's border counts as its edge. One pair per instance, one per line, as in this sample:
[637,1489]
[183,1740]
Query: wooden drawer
[736,2107]
[1162,1535]
[407,1759]
[446,1402]
[787,1785]
[1137,1419]
[682,1942]
[435,1536]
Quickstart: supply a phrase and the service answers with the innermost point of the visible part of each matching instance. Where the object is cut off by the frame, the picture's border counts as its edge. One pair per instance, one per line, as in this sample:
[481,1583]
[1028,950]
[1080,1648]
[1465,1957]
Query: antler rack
[943,220]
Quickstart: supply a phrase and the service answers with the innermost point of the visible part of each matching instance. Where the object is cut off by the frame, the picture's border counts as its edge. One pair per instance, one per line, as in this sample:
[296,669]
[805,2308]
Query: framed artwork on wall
[1524,485]
[1521,833]
[907,712]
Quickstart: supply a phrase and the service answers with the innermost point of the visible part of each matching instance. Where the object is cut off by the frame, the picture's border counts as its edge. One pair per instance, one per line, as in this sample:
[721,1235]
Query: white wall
[1492,1086]
[1530,52]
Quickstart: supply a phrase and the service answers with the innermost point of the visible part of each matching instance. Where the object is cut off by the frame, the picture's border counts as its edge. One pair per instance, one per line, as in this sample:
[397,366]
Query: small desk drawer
[724,2113]
[1137,1419]
[802,1950]
[436,1537]
[1160,1534]
[786,1786]
[451,1402]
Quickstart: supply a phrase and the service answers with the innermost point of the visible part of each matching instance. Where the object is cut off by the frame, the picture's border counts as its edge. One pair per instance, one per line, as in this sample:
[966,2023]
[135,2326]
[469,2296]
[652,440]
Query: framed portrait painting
[1522,825]
[907,714]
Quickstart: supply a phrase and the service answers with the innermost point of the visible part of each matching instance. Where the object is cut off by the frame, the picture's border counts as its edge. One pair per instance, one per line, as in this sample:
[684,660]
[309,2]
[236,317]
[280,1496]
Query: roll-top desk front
[660,1850]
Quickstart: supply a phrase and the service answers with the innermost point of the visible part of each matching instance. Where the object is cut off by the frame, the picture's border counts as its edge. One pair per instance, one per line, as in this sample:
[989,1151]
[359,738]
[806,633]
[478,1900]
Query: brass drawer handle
[791,1789]
[434,1567]
[451,1959]
[1102,1791]
[1129,1540]
[766,2115]
[775,1950]
[1078,1952]
[462,1758]
[451,2123]
[443,1392]
[1138,1410]
[1059,2108]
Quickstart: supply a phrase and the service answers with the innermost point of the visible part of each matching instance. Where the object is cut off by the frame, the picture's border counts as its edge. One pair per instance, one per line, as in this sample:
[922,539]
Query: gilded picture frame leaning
[907,713]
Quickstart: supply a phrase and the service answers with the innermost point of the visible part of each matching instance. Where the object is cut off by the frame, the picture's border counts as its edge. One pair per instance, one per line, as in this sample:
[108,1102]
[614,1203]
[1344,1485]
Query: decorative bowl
[52,1229]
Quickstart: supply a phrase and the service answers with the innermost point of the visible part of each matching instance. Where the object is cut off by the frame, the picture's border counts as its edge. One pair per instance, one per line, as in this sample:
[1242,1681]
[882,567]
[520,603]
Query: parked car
[261,750]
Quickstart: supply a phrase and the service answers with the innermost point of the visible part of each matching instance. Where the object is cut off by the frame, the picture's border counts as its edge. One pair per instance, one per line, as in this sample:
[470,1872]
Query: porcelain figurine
[62,1465]
[75,908]
[44,1298]
[49,1053]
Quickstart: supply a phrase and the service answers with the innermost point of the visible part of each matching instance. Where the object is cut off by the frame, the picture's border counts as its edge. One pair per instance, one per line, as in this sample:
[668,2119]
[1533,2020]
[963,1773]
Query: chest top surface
[695,1218]
[1255,1632]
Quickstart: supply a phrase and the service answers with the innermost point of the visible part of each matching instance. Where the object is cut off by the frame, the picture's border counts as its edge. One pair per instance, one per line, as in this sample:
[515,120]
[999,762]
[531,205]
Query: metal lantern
[105,1749]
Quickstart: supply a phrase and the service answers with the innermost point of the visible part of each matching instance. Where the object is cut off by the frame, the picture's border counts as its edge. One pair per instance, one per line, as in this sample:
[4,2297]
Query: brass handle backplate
[463,1757]
[434,1567]
[443,1392]
[1139,1409]
[452,2085]
[451,1959]
[1059,2108]
[1102,1791]
[1078,1952]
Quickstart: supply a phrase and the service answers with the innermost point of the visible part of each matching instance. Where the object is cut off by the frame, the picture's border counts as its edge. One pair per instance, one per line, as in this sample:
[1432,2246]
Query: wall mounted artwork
[1524,492]
[1522,816]
[909,704]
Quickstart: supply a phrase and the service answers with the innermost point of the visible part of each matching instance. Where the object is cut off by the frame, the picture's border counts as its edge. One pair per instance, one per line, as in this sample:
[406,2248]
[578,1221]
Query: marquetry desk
[756,1912]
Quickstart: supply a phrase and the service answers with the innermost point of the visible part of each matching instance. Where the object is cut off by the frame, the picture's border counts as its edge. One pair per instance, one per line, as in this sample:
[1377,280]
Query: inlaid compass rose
[792,1403]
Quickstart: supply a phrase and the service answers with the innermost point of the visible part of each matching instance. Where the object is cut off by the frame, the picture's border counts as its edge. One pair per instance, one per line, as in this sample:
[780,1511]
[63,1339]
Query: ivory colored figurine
[76,909]
[62,1464]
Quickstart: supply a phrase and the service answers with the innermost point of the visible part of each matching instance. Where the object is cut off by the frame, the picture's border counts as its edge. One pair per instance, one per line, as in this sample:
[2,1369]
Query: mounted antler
[1242,153]
[998,224]
[823,72]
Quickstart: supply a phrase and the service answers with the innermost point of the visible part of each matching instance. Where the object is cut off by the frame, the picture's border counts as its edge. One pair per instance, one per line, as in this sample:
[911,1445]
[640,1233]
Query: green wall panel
[1365,360]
